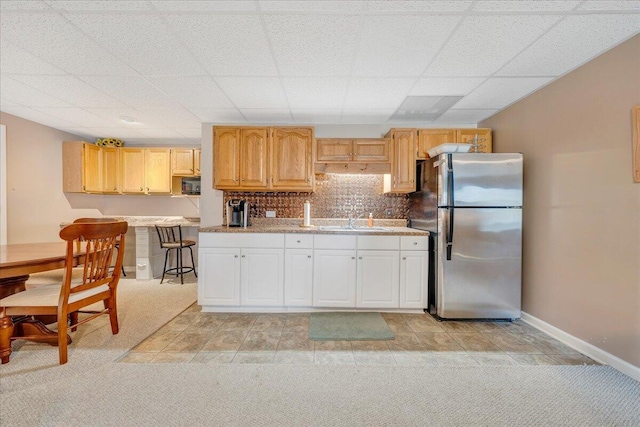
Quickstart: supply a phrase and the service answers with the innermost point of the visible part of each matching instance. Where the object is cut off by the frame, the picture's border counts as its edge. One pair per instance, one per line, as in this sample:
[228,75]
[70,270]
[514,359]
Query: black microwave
[191,185]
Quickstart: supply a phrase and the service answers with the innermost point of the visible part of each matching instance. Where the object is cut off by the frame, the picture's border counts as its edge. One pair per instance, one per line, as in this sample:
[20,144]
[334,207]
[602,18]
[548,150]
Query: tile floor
[197,337]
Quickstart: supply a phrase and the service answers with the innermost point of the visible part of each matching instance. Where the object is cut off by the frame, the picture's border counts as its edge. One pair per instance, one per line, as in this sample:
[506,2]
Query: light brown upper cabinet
[182,161]
[196,161]
[146,170]
[429,138]
[403,162]
[111,176]
[292,159]
[262,158]
[366,150]
[80,167]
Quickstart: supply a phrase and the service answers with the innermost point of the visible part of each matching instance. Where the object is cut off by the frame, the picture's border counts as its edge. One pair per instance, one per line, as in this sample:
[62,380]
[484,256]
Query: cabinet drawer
[414,243]
[323,241]
[241,240]
[303,241]
[379,242]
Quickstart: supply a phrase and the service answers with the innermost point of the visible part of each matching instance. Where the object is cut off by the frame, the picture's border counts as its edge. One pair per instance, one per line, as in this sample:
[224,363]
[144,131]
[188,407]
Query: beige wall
[581,268]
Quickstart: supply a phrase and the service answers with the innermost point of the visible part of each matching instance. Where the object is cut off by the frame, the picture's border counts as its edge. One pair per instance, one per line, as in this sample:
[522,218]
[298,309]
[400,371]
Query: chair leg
[6,331]
[193,264]
[73,320]
[113,313]
[180,266]
[62,340]
[164,269]
[123,273]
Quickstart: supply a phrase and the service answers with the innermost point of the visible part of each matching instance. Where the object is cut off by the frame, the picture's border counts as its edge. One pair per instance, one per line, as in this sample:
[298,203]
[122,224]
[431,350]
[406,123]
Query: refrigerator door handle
[450,198]
[449,234]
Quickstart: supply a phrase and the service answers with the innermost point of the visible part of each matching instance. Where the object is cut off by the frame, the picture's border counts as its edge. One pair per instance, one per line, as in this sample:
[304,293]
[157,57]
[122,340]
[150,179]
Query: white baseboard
[584,347]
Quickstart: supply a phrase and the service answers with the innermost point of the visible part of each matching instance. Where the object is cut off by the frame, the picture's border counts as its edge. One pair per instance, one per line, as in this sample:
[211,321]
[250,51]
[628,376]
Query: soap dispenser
[370,219]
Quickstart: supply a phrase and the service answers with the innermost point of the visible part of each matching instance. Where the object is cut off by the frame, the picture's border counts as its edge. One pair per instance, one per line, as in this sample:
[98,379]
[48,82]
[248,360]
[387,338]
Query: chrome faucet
[352,221]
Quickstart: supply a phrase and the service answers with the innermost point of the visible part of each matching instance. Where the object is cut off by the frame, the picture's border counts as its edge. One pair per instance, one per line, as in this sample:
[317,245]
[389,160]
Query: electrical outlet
[388,213]
[271,214]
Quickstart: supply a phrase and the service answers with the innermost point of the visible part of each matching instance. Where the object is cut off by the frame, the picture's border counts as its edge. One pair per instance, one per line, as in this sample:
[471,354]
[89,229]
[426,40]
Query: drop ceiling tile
[70,89]
[7,5]
[632,5]
[160,133]
[98,5]
[366,116]
[132,91]
[54,40]
[381,93]
[497,93]
[192,91]
[14,60]
[204,6]
[195,133]
[270,115]
[115,132]
[316,115]
[114,114]
[443,86]
[226,45]
[77,116]
[177,117]
[25,95]
[419,6]
[37,116]
[339,6]
[254,92]
[315,92]
[84,134]
[214,115]
[313,45]
[574,41]
[8,103]
[465,116]
[142,41]
[401,45]
[525,6]
[483,44]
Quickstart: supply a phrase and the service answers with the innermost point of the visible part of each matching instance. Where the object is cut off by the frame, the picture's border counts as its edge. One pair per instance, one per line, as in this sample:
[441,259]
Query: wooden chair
[98,283]
[80,220]
[171,239]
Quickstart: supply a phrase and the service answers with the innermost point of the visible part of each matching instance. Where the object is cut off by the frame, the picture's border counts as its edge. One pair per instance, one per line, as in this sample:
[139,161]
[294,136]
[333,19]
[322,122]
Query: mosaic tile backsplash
[336,196]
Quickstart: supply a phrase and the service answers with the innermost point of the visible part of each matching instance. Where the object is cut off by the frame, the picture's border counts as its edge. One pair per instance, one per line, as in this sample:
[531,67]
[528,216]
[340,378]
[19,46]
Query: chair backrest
[169,233]
[100,239]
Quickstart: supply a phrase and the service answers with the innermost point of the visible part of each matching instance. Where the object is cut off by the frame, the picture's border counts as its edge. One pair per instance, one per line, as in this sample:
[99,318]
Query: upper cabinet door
[371,150]
[467,136]
[111,170]
[196,161]
[429,138]
[226,157]
[132,162]
[334,150]
[254,155]
[292,159]
[158,170]
[182,161]
[403,161]
[91,169]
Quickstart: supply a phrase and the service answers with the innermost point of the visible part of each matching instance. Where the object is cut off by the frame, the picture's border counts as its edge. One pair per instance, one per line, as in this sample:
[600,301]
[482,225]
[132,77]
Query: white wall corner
[3,185]
[584,347]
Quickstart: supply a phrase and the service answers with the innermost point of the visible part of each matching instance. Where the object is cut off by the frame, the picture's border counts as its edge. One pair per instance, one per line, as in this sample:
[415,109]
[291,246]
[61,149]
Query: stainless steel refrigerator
[472,205]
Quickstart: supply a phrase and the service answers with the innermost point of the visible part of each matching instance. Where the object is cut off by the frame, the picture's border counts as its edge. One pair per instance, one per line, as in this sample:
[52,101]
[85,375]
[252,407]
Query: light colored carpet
[348,326]
[94,389]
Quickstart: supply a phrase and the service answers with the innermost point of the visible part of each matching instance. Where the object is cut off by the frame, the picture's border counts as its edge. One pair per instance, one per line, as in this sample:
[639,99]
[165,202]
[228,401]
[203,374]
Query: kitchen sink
[347,228]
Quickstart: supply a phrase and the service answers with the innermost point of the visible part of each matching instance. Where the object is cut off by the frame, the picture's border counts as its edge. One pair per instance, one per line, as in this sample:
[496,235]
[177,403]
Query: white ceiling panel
[178,117]
[98,5]
[313,45]
[193,133]
[267,115]
[23,5]
[161,134]
[192,91]
[377,93]
[365,116]
[254,92]
[315,92]
[571,43]
[316,115]
[401,45]
[77,116]
[525,6]
[37,116]
[133,91]
[115,114]
[52,38]
[142,41]
[464,116]
[8,103]
[215,115]
[340,6]
[619,6]
[497,93]
[25,95]
[419,6]
[442,86]
[482,45]
[226,45]
[14,60]
[204,6]
[70,89]
[114,132]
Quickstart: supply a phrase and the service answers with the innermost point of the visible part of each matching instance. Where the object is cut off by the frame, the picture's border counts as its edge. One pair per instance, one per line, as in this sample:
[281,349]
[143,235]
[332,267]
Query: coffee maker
[237,213]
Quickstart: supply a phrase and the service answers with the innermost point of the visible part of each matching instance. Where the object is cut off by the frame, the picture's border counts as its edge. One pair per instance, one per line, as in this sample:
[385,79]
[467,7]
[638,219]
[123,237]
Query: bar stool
[171,239]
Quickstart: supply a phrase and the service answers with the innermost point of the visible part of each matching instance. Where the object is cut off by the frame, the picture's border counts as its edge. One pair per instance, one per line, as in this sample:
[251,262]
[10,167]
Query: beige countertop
[150,221]
[388,231]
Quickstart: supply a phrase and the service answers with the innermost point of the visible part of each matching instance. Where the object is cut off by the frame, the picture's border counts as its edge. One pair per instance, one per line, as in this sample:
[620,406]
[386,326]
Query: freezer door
[480,179]
[479,263]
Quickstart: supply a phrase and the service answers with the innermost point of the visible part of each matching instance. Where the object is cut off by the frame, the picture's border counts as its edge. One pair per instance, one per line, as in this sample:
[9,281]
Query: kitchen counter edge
[391,231]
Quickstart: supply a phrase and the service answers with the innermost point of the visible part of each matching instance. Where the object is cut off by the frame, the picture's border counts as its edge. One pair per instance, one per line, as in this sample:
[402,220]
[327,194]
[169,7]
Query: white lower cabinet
[219,276]
[334,278]
[298,277]
[378,279]
[262,277]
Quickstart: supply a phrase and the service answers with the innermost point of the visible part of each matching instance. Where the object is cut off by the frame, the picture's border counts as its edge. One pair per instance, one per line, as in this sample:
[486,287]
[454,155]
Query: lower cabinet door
[298,277]
[262,277]
[378,279]
[218,276]
[414,273]
[334,278]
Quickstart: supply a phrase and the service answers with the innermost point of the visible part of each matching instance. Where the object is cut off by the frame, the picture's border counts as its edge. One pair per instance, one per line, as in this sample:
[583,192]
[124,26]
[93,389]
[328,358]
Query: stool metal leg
[180,266]
[193,264]
[164,269]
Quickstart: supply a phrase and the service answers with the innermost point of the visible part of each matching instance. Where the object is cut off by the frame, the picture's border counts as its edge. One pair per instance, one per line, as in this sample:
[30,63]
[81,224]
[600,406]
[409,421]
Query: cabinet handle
[115,188]
[415,243]
[242,256]
[359,257]
[353,257]
[404,258]
[235,256]
[308,256]
[141,189]
[298,241]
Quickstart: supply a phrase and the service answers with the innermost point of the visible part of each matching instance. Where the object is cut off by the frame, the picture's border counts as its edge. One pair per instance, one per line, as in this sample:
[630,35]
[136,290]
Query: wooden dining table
[17,262]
